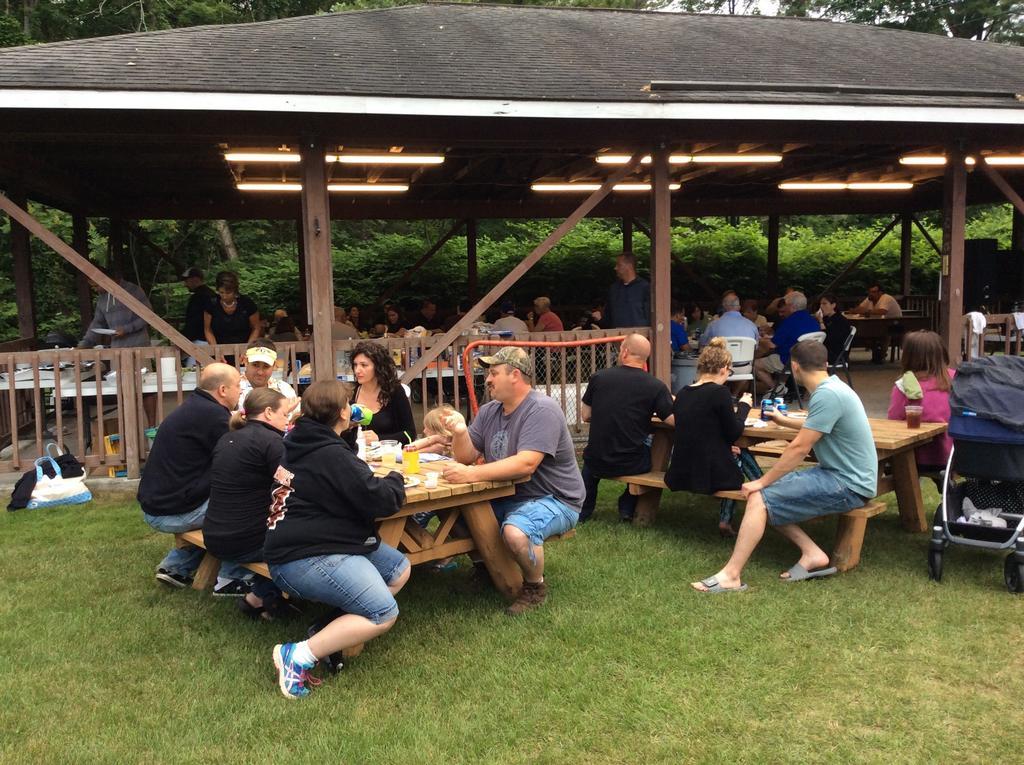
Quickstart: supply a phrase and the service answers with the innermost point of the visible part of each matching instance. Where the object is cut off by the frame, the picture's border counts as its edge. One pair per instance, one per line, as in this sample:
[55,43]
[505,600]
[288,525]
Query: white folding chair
[742,351]
[818,337]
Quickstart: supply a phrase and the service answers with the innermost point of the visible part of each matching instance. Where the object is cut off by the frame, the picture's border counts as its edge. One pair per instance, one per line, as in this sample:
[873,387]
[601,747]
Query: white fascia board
[455,107]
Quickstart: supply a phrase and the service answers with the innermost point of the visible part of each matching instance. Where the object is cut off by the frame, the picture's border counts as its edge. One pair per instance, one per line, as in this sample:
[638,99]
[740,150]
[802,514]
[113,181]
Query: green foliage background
[369,255]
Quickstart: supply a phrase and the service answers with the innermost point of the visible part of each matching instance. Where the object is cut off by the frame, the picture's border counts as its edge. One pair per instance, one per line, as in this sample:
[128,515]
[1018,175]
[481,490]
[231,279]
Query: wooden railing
[100,403]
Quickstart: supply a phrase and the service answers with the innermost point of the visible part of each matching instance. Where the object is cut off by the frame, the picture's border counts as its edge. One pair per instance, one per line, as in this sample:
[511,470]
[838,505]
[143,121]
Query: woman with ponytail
[245,461]
[704,459]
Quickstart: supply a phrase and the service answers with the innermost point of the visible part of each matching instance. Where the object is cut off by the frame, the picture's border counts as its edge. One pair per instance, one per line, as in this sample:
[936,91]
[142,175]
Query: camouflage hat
[514,357]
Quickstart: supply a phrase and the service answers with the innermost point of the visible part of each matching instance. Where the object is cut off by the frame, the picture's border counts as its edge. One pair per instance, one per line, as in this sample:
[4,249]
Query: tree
[995,20]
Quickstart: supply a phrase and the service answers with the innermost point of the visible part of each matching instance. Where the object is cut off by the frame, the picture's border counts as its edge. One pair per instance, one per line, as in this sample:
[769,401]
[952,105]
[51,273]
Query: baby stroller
[983,486]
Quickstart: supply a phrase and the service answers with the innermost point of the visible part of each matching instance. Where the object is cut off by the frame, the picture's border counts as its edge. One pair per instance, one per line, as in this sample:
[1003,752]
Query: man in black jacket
[175,486]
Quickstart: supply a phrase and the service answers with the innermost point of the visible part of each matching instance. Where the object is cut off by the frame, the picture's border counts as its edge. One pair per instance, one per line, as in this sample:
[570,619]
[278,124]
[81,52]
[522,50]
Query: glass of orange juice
[388,453]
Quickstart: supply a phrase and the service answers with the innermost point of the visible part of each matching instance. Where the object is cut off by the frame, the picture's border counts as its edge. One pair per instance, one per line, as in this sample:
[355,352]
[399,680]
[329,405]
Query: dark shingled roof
[531,53]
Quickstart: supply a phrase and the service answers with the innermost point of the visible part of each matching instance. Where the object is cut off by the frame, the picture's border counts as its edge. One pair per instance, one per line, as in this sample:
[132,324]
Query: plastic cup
[913,417]
[411,462]
[430,480]
[388,453]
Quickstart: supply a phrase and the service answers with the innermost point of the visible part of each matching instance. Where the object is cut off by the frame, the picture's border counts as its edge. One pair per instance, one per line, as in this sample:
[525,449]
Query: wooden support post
[304,312]
[661,267]
[951,297]
[1007,190]
[857,260]
[516,273]
[24,292]
[771,279]
[1017,233]
[906,250]
[80,241]
[472,284]
[404,278]
[927,236]
[61,247]
[316,223]
[627,235]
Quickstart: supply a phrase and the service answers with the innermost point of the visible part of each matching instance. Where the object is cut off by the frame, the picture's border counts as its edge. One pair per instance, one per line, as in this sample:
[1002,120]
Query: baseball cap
[190,272]
[265,355]
[514,357]
[508,307]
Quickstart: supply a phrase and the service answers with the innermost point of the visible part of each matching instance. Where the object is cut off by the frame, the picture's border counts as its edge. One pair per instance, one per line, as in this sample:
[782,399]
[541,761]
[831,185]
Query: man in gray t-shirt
[522,434]
[845,477]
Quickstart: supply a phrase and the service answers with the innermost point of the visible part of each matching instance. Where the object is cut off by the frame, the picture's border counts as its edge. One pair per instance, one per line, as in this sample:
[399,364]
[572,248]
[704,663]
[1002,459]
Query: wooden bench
[850,529]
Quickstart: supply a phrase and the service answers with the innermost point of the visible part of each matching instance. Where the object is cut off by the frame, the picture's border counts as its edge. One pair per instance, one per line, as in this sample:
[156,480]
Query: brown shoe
[530,596]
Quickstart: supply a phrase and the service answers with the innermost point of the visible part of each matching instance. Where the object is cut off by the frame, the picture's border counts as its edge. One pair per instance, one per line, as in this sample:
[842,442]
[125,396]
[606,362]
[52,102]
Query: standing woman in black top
[378,389]
[245,462]
[231,317]
[704,459]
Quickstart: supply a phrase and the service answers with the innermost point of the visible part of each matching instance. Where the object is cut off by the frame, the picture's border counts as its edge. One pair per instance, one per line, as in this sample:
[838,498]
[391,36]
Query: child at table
[704,459]
[437,439]
[926,383]
[437,431]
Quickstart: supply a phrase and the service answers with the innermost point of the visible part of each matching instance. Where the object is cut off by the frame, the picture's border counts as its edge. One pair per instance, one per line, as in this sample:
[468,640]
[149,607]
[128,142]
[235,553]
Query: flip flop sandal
[714,588]
[799,574]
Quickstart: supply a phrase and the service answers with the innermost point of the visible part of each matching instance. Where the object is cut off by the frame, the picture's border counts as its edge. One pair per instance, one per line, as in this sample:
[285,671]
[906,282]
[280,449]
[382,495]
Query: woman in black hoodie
[245,462]
[322,542]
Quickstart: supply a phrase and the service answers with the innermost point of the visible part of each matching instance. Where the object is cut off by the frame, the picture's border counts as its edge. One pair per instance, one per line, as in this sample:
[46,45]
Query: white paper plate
[410,481]
[432,457]
[105,331]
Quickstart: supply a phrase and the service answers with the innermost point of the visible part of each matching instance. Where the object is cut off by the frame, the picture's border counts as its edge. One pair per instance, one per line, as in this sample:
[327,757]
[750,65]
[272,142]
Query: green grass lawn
[624,664]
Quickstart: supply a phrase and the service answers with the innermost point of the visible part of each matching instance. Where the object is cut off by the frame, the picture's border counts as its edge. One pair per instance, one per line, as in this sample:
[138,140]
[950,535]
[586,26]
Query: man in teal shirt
[845,477]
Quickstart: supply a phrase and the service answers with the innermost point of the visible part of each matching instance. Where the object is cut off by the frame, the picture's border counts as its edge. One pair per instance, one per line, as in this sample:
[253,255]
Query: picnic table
[451,501]
[894,442]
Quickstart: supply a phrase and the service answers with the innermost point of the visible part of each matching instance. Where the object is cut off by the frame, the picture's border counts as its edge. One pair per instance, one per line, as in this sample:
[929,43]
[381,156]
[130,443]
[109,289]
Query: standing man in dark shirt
[175,487]
[629,299]
[197,302]
[201,296]
[618,404]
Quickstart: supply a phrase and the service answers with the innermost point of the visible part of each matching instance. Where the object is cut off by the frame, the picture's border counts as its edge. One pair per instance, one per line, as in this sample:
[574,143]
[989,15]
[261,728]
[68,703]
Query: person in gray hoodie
[130,331]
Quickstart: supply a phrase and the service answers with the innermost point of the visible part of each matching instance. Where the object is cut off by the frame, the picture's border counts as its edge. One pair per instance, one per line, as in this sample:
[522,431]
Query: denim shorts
[357,584]
[806,494]
[537,517]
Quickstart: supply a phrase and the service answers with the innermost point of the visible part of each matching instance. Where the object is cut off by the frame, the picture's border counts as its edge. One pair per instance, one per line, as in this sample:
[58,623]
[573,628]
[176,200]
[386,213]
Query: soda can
[782,409]
[767,406]
[780,401]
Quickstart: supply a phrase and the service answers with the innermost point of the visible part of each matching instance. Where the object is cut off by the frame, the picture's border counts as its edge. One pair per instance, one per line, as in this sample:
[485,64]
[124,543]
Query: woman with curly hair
[378,389]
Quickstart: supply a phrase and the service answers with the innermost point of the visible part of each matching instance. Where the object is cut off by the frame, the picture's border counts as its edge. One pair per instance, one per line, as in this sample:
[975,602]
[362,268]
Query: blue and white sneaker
[292,677]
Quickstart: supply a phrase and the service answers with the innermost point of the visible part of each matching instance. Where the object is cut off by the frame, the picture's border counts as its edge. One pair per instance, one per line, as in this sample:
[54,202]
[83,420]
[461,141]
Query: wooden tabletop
[889,435]
[444,489]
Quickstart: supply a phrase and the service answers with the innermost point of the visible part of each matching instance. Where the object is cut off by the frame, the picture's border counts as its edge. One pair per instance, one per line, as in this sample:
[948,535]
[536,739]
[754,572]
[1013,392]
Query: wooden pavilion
[713,115]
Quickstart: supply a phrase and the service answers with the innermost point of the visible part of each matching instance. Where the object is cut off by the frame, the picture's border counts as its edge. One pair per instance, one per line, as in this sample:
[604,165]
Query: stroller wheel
[935,565]
[1013,573]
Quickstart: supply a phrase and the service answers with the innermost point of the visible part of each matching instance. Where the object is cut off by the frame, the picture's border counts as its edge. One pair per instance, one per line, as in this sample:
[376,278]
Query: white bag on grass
[58,490]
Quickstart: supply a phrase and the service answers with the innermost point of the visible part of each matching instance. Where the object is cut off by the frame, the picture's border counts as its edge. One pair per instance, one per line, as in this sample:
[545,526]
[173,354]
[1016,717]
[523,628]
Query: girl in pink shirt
[925,357]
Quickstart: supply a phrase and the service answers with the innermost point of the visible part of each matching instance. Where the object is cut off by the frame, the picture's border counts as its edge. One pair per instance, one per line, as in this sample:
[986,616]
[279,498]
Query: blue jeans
[806,494]
[357,584]
[185,561]
[537,517]
[751,471]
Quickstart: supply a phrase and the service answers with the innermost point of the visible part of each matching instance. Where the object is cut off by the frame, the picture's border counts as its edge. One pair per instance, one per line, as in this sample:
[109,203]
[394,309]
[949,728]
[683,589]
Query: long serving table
[452,501]
[894,442]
